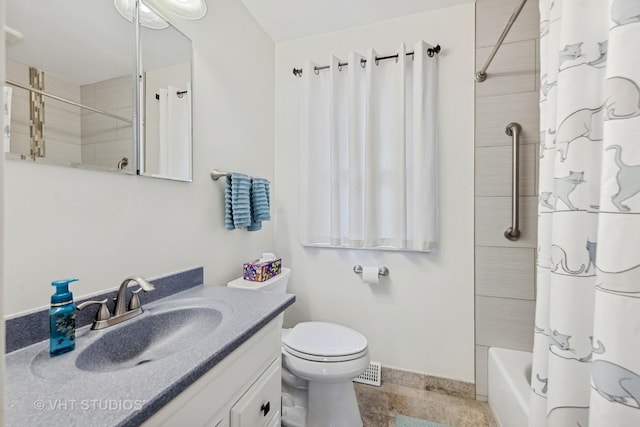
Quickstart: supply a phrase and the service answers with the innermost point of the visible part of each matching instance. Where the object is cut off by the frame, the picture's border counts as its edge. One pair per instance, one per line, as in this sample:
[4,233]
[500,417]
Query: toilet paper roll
[370,275]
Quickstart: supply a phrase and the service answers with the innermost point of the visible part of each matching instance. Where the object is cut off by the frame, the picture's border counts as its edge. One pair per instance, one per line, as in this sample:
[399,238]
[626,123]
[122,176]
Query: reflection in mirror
[166,125]
[77,57]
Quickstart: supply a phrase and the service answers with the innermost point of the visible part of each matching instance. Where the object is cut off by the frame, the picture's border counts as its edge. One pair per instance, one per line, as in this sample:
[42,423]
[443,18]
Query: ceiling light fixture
[186,9]
[148,18]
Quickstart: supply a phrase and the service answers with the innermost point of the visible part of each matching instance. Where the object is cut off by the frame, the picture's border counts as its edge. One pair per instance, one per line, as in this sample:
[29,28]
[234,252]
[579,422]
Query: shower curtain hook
[363,63]
[315,70]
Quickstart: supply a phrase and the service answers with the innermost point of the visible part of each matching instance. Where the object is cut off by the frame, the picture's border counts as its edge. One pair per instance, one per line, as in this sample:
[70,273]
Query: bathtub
[509,386]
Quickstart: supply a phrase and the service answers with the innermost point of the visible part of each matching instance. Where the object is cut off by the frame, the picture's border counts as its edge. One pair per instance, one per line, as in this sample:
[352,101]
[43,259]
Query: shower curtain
[586,362]
[174,134]
[367,152]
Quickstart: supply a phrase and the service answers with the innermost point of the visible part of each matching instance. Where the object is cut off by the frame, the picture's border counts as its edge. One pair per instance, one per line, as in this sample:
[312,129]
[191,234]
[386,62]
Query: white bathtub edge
[508,386]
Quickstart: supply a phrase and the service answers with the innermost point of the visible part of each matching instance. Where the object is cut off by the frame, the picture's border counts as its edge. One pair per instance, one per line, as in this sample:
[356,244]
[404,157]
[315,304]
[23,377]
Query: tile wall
[106,140]
[504,270]
[72,134]
[62,121]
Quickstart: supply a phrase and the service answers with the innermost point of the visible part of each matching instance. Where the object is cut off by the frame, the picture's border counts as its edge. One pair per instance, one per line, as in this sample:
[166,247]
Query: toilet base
[333,405]
[294,416]
[294,400]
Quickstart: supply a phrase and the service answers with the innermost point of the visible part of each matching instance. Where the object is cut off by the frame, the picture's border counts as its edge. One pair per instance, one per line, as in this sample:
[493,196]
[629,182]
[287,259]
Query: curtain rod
[179,93]
[65,100]
[432,51]
[482,74]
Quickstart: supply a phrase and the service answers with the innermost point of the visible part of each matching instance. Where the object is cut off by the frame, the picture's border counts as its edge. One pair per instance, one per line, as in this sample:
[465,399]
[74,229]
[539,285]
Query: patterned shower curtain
[586,362]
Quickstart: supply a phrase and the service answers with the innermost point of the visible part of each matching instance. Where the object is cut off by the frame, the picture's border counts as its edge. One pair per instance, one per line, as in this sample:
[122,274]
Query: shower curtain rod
[482,74]
[65,100]
[430,52]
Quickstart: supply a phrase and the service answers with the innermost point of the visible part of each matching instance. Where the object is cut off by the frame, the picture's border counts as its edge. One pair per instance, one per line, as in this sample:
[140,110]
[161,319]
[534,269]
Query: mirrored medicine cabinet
[72,92]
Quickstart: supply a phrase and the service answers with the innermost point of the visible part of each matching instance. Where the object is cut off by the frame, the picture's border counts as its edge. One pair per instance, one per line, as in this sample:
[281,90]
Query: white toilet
[319,360]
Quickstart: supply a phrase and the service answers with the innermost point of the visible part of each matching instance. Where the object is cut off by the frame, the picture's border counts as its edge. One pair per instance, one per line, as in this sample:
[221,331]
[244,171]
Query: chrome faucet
[134,304]
[104,318]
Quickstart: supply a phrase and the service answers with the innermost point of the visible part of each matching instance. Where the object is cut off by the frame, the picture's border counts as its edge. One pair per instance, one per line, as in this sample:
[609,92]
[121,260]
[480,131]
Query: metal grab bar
[513,233]
[482,74]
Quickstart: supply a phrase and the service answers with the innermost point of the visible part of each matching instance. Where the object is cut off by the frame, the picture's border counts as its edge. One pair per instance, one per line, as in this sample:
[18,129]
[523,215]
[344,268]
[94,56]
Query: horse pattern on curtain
[586,362]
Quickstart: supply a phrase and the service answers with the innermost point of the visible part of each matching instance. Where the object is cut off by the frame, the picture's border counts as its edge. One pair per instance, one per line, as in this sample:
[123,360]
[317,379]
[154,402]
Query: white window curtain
[368,152]
[586,359]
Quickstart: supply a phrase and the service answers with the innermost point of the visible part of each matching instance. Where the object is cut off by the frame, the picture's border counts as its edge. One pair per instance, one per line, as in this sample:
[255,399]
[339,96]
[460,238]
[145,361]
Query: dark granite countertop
[53,391]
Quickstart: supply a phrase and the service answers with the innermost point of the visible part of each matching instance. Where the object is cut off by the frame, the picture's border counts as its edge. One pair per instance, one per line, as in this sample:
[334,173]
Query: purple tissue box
[261,271]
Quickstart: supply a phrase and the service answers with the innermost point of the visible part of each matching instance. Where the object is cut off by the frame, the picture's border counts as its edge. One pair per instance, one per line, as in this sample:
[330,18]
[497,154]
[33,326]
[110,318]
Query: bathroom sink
[154,336]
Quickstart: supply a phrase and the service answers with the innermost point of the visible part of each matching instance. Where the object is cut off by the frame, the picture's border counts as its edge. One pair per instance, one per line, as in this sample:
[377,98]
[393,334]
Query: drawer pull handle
[265,408]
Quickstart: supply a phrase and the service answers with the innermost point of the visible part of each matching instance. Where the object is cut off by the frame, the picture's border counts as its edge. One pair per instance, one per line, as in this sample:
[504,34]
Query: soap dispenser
[62,319]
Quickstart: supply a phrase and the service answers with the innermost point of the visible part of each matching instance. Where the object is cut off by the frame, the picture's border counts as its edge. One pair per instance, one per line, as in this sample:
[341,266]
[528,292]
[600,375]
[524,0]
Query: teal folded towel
[237,201]
[260,203]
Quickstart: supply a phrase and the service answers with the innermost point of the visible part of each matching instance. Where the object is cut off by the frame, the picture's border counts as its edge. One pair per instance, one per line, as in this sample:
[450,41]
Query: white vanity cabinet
[242,390]
[260,405]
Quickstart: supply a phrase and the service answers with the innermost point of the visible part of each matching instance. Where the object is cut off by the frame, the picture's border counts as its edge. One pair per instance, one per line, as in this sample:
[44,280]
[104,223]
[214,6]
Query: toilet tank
[277,284]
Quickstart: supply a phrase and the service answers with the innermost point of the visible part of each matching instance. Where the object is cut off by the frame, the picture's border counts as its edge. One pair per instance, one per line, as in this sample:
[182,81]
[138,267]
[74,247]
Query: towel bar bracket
[216,174]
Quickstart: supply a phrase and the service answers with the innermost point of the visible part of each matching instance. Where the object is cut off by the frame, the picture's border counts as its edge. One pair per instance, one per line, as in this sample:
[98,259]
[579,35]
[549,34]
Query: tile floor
[379,405]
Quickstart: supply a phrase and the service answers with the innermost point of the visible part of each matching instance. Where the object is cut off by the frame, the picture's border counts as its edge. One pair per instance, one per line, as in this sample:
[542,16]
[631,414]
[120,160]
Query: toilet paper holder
[382,271]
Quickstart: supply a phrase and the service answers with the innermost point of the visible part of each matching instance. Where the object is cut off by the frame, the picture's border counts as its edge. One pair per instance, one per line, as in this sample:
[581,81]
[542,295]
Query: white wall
[421,317]
[101,227]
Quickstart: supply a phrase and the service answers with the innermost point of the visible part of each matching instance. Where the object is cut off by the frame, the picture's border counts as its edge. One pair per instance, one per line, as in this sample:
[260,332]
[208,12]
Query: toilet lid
[324,339]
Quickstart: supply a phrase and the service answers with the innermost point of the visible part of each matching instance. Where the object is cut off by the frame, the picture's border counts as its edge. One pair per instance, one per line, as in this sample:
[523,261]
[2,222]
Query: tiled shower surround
[504,270]
[106,140]
[74,134]
[62,121]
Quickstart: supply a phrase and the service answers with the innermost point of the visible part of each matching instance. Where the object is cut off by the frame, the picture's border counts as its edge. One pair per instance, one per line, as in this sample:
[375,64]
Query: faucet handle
[103,312]
[134,302]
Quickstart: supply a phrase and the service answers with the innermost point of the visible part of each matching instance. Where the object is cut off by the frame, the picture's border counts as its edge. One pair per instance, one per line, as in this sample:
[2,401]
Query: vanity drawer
[260,405]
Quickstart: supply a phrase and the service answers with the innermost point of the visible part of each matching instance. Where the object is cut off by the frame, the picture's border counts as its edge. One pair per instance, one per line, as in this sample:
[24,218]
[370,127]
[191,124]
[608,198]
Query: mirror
[82,54]
[166,103]
[71,86]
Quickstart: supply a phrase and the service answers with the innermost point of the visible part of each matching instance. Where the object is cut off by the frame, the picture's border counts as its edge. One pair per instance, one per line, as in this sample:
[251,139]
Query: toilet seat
[324,342]
[324,359]
[325,372]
